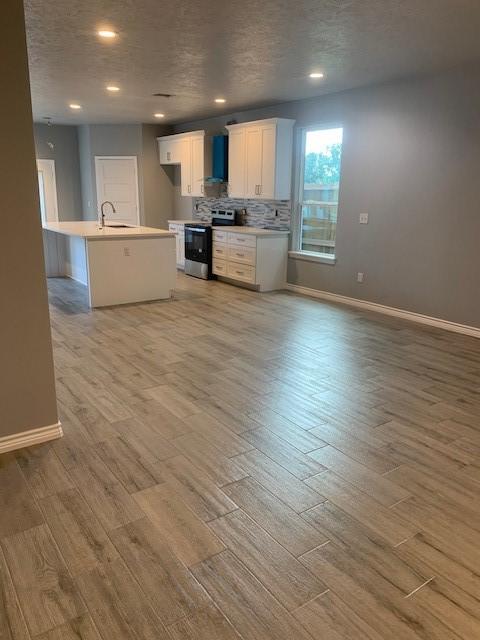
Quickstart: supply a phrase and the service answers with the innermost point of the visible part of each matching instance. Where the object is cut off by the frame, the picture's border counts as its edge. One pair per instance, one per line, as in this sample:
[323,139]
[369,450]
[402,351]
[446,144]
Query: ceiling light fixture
[220,100]
[74,105]
[159,115]
[107,33]
[316,74]
[113,88]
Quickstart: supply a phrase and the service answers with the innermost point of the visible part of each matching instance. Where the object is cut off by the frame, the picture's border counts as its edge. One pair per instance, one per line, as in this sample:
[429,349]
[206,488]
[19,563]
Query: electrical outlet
[126,252]
[363,218]
[360,276]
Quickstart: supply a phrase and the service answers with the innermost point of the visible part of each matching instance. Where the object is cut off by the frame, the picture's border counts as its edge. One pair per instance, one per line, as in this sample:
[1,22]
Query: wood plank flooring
[247,466]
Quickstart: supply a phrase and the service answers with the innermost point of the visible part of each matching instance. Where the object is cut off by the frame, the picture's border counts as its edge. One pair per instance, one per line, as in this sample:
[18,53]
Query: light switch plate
[363,218]
[360,276]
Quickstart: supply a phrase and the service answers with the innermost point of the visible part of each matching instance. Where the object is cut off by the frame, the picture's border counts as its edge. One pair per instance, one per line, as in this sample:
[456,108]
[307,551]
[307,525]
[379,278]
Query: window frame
[296,251]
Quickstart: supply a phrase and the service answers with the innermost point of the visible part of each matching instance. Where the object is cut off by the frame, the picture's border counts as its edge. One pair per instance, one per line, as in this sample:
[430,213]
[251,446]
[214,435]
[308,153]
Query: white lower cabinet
[179,230]
[242,272]
[259,260]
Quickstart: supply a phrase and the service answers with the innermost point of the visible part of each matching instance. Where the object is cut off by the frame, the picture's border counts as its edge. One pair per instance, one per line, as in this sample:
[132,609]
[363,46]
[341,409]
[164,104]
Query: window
[319,184]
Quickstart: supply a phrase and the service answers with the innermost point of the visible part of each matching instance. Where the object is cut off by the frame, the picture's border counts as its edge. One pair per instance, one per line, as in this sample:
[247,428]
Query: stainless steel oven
[198,250]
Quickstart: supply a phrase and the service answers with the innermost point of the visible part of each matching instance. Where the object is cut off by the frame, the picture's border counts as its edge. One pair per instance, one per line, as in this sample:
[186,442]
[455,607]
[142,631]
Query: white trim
[389,311]
[310,256]
[31,437]
[135,159]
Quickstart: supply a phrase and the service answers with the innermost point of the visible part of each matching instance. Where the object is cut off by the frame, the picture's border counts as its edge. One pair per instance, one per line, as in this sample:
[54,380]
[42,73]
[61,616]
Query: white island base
[117,265]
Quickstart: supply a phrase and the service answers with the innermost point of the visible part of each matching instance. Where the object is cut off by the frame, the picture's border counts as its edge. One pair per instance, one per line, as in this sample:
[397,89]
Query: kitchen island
[118,265]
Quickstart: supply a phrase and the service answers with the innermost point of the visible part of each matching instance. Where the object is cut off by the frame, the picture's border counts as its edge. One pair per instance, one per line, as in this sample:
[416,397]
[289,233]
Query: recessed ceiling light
[220,100]
[106,33]
[159,115]
[74,105]
[113,88]
[316,75]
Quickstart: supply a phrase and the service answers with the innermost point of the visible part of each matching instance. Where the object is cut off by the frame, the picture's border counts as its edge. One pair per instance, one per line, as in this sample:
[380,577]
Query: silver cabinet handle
[169,155]
[259,189]
[202,188]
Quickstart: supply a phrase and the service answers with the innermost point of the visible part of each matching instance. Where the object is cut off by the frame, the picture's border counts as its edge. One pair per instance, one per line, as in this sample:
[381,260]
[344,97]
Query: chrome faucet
[101,219]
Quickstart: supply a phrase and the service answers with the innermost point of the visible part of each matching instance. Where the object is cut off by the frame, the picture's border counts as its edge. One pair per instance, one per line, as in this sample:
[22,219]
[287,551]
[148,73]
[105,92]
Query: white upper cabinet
[171,151]
[187,150]
[260,159]
[197,150]
[236,162]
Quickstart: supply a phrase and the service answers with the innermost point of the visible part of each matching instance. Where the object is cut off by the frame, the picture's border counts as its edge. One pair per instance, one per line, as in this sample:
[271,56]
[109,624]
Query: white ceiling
[253,52]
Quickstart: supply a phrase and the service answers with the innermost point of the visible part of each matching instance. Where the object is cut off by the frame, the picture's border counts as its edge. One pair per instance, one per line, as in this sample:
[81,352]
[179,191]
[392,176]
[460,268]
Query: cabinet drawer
[219,250]
[219,267]
[219,236]
[242,272]
[245,255]
[242,240]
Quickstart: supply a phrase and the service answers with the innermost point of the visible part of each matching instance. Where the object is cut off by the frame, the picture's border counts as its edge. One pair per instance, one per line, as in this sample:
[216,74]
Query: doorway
[117,182]
[47,190]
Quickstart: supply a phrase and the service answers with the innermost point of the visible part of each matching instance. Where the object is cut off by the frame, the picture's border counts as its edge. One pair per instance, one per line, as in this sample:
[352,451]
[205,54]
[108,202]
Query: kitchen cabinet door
[253,161]
[186,167]
[261,159]
[180,247]
[171,151]
[236,163]
[268,163]
[197,165]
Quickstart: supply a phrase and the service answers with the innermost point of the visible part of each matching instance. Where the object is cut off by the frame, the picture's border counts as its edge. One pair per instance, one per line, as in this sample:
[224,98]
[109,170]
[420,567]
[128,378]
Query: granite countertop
[252,231]
[90,231]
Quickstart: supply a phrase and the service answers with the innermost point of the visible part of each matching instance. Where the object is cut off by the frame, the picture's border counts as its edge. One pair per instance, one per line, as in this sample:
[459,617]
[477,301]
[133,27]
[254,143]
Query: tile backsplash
[274,214]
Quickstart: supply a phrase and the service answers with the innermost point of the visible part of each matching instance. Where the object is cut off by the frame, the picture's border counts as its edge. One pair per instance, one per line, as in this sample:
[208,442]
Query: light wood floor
[238,465]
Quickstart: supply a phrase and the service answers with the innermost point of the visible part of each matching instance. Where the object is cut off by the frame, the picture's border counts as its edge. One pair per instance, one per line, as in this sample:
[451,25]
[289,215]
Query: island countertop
[90,231]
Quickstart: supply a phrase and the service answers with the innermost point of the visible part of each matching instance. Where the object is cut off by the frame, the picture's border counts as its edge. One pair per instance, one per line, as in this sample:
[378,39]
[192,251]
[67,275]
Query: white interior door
[117,181]
[47,190]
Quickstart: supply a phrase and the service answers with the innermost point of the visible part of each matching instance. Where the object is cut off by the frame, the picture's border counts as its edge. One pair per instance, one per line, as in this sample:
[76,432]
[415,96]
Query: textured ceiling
[251,52]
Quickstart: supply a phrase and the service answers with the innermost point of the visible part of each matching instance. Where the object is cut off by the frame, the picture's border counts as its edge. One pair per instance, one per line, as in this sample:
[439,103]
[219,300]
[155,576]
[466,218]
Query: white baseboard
[31,437]
[389,311]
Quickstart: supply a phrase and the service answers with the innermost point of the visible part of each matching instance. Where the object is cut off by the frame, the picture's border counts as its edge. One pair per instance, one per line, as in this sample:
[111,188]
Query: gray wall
[182,205]
[154,181]
[105,140]
[67,167]
[27,389]
[87,174]
[411,159]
